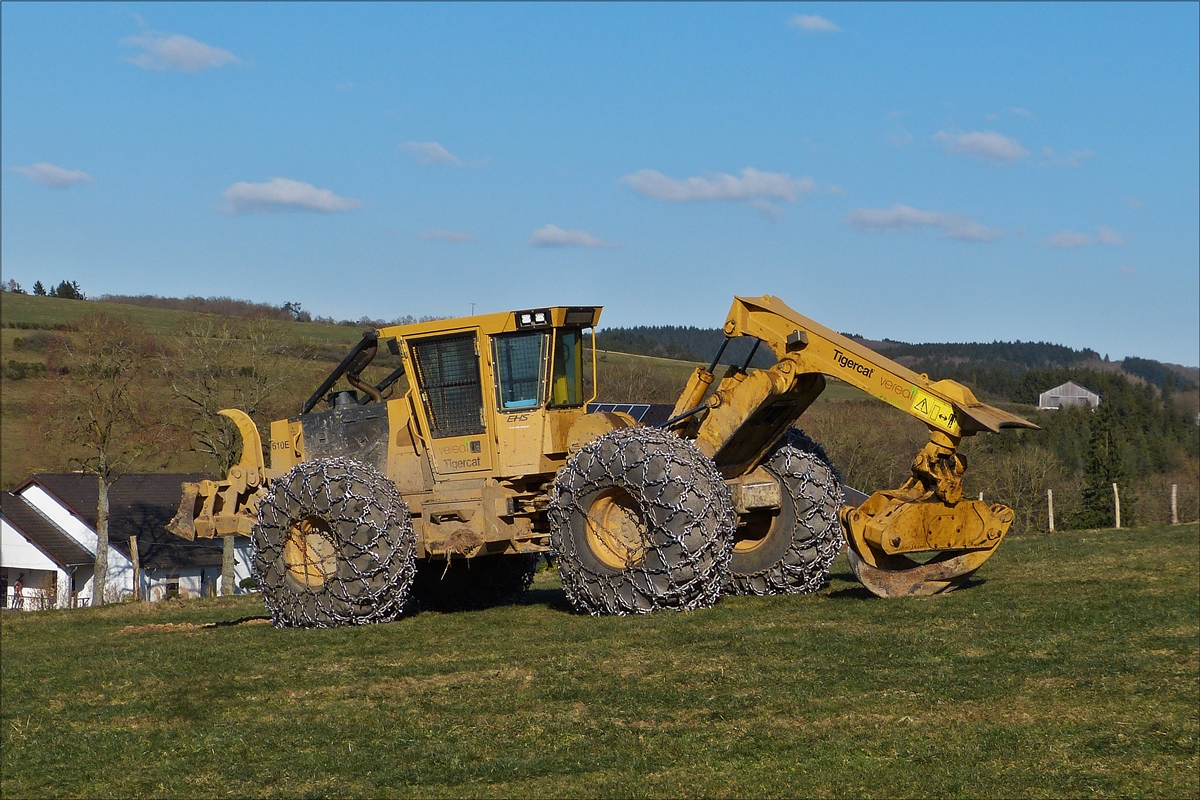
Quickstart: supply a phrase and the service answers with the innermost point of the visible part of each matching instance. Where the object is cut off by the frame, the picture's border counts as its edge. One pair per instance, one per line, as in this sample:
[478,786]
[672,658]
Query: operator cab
[540,364]
[496,393]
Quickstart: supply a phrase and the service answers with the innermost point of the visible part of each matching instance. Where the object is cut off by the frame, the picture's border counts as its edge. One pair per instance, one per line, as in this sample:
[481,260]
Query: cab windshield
[519,358]
[566,377]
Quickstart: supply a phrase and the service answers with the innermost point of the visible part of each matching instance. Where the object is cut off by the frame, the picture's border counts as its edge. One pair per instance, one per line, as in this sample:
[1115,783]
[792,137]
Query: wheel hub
[755,532]
[615,529]
[309,553]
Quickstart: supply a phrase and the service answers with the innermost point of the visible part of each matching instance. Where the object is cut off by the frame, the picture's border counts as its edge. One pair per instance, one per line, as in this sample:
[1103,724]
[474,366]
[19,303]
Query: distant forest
[997,370]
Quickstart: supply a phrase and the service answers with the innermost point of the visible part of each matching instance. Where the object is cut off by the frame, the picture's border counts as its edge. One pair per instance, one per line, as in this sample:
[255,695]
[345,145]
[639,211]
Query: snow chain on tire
[334,545]
[683,511]
[806,535]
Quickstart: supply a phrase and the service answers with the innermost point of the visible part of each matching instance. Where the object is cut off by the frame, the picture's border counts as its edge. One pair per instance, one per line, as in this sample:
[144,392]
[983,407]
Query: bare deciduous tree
[98,411]
[222,362]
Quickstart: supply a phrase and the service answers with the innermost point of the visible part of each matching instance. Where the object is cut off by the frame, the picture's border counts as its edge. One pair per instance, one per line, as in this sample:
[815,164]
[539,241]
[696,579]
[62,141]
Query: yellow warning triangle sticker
[922,407]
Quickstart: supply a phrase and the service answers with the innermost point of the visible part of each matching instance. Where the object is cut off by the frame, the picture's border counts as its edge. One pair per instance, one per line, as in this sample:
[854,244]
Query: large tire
[471,583]
[641,520]
[334,545]
[790,552]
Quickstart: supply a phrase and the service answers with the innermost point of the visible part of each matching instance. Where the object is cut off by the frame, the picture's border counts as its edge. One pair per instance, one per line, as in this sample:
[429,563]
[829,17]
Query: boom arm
[943,405]
[738,422]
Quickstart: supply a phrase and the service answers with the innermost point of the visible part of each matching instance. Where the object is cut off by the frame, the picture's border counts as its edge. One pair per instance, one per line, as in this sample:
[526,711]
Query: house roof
[1070,389]
[139,505]
[42,533]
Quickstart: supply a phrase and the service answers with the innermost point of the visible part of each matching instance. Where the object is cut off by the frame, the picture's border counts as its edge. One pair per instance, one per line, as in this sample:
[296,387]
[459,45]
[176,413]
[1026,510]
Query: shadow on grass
[860,592]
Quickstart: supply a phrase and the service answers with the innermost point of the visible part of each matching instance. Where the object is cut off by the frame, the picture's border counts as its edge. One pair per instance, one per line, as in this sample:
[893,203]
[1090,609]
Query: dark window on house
[448,371]
[519,359]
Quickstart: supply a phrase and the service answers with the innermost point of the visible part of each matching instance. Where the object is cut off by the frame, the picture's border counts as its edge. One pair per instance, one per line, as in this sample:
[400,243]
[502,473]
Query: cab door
[448,377]
[519,362]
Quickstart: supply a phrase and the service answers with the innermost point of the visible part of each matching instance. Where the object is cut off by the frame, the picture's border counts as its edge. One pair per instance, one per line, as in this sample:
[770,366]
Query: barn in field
[1069,394]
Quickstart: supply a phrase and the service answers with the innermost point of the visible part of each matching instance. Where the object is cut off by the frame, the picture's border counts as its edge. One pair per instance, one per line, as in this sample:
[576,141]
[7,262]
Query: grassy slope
[158,321]
[20,455]
[1068,669]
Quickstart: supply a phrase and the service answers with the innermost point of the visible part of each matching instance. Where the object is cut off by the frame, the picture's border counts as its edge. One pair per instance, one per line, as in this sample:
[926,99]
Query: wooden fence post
[1117,504]
[137,562]
[1174,504]
[1050,507]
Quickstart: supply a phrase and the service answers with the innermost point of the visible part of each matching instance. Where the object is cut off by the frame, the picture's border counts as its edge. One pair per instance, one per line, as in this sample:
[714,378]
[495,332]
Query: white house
[1067,395]
[50,565]
[139,505]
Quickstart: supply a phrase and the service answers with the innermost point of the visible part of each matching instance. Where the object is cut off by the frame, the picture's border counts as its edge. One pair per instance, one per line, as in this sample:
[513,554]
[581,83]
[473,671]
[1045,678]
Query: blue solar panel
[636,410]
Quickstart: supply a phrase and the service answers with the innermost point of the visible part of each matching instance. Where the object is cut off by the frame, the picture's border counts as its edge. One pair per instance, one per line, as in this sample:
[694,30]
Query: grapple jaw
[949,542]
[923,538]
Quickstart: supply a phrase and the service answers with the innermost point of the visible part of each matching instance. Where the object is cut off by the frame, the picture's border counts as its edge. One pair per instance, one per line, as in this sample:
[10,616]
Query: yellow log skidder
[478,454]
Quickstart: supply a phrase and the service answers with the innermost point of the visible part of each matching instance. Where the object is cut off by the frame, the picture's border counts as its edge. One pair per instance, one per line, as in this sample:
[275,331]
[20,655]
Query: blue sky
[918,172]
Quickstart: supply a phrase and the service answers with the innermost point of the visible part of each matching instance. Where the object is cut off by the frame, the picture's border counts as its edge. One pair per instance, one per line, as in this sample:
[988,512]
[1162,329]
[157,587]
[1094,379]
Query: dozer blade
[884,530]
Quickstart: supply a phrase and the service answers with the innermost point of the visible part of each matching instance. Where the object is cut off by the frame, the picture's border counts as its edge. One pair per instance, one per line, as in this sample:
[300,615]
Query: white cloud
[1133,202]
[431,153]
[902,218]
[284,194]
[52,176]
[835,189]
[177,52]
[1126,270]
[554,236]
[813,24]
[768,210]
[447,236]
[1065,239]
[985,145]
[753,184]
[1072,159]
[1023,112]
[900,137]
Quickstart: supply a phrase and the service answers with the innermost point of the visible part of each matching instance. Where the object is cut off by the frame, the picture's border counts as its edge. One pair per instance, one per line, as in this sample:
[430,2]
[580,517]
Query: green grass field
[1069,668]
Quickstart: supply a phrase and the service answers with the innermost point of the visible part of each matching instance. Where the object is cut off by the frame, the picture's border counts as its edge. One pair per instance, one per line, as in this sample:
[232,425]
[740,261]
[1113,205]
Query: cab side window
[519,358]
[448,372]
[567,377]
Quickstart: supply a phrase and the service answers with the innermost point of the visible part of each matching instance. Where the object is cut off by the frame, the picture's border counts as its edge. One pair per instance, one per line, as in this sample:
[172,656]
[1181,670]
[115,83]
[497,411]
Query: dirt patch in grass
[179,627]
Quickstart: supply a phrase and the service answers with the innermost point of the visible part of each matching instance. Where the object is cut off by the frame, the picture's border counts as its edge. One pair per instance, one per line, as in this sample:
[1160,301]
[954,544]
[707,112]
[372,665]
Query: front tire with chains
[334,545]
[641,520]
[802,540]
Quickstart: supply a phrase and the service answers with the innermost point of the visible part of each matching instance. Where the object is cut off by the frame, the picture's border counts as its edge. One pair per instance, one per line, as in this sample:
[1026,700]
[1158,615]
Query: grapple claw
[882,532]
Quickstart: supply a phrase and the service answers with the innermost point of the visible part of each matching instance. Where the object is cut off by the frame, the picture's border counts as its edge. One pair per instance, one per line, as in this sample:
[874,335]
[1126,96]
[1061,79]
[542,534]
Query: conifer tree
[1102,468]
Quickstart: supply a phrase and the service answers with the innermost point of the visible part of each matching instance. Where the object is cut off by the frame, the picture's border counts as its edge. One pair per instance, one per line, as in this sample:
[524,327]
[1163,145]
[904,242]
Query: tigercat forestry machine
[452,475]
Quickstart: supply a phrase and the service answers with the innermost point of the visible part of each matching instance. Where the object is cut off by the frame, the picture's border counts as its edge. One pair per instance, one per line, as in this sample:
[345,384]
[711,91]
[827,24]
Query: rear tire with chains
[471,583]
[334,545]
[641,520]
[802,540]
